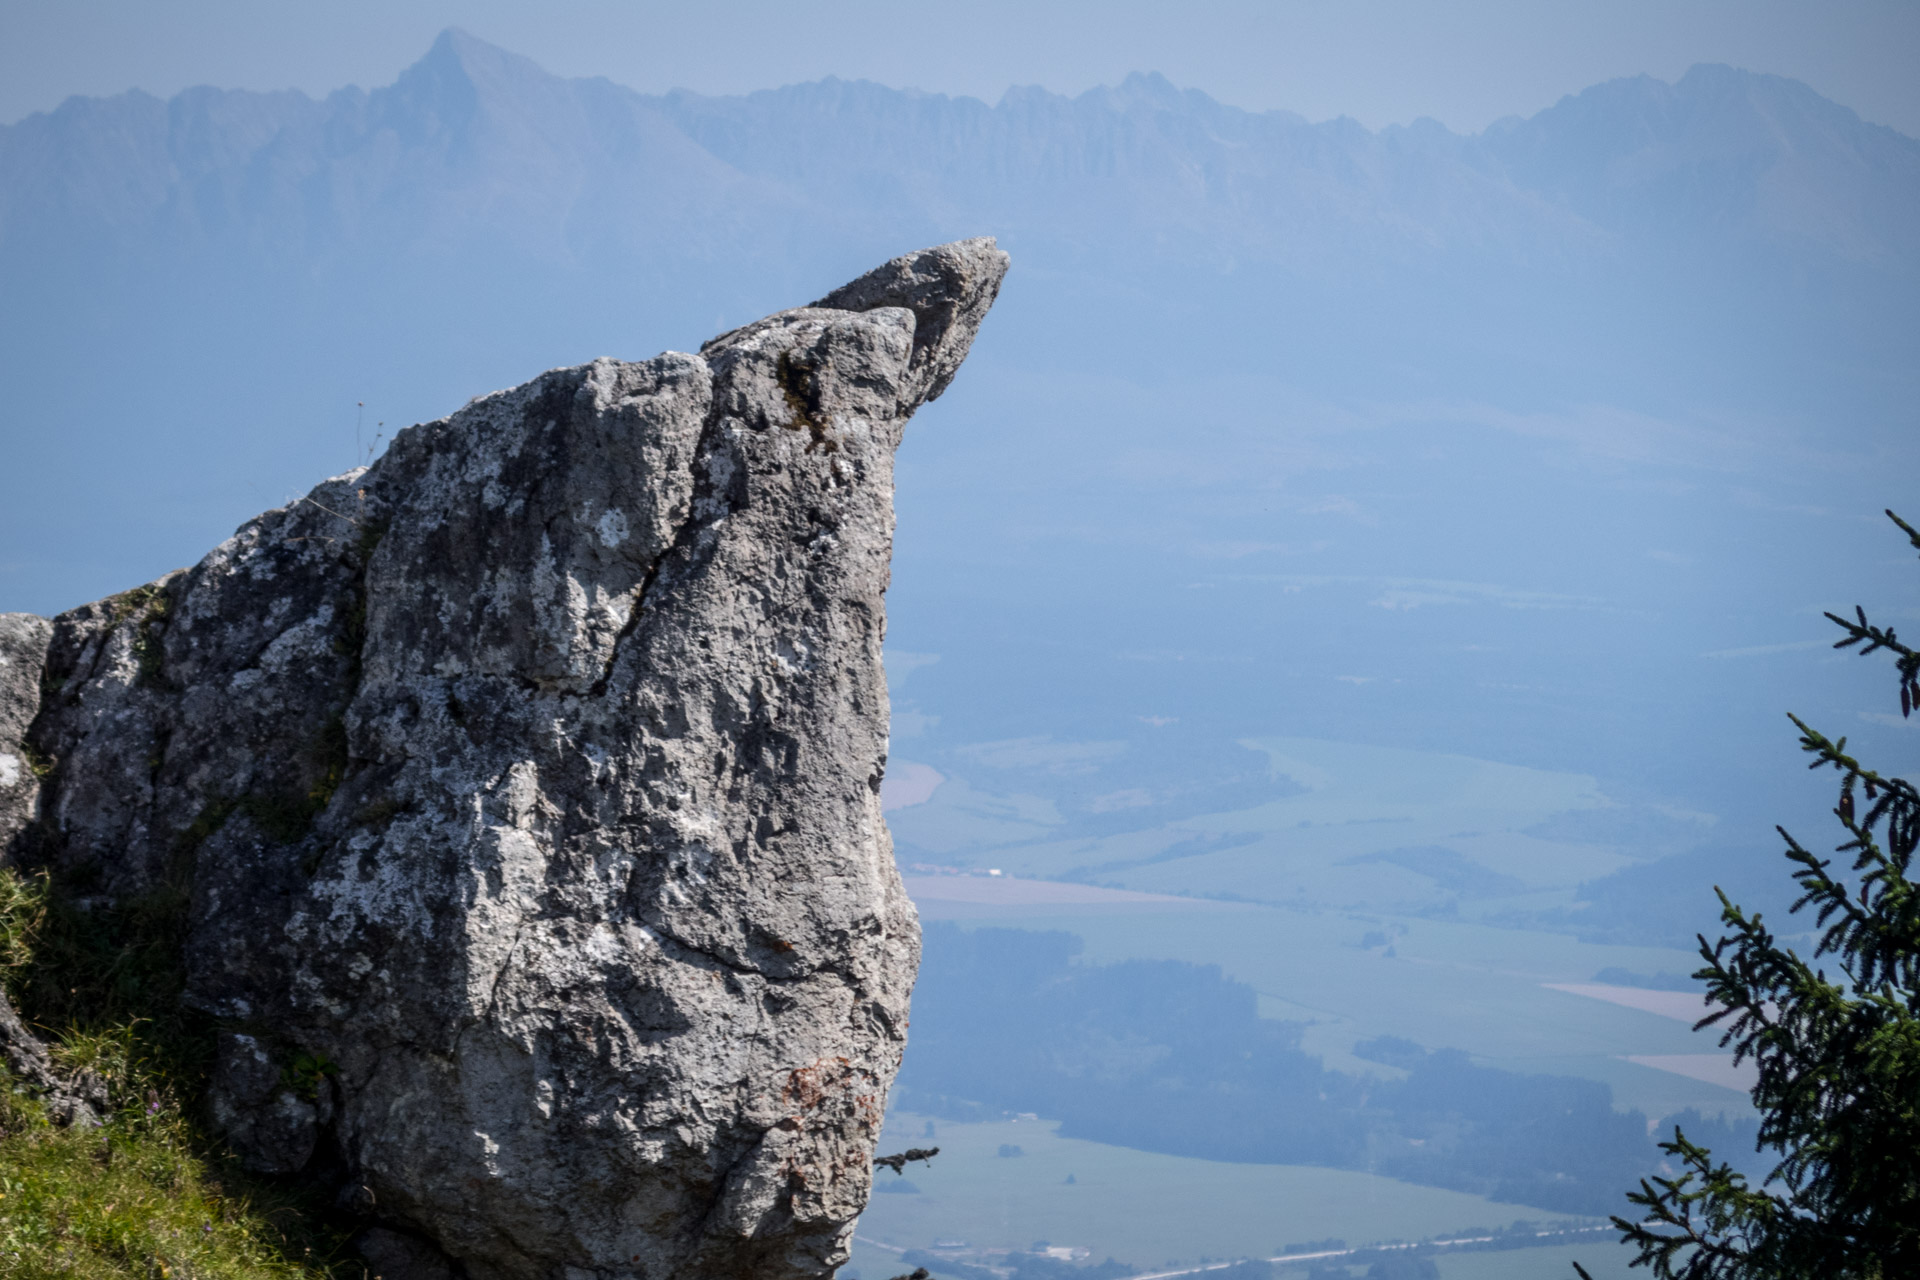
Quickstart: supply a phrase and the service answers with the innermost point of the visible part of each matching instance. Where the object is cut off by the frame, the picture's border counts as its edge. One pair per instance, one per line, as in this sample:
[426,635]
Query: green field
[1347,840]
[1452,964]
[1448,985]
[1144,1209]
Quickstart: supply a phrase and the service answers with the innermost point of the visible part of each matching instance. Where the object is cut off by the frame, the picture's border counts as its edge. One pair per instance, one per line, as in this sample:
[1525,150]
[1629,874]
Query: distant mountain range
[1465,443]
[475,147]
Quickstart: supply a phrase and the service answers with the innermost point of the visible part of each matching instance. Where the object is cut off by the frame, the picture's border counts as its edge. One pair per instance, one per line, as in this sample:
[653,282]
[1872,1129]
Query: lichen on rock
[528,780]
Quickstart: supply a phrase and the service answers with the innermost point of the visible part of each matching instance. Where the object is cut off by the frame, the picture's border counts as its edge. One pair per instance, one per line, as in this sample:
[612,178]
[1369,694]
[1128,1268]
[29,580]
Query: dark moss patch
[140,600]
[42,765]
[800,386]
[371,531]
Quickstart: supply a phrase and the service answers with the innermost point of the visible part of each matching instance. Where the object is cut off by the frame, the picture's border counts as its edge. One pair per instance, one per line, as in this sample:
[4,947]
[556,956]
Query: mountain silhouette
[475,145]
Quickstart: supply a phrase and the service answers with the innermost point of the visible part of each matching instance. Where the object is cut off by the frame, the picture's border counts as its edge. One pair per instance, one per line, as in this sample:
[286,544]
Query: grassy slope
[147,1194]
[137,1197]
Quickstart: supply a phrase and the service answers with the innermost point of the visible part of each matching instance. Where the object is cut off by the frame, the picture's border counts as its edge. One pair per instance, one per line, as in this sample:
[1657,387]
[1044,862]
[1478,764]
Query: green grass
[1142,1208]
[135,1197]
[147,1194]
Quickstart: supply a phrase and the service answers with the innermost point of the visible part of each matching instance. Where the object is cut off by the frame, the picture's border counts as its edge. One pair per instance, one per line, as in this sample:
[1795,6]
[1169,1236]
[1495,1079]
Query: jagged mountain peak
[457,58]
[462,78]
[1150,88]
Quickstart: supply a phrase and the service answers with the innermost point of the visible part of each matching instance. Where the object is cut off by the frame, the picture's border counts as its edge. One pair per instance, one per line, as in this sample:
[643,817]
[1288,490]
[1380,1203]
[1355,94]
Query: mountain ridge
[526,153]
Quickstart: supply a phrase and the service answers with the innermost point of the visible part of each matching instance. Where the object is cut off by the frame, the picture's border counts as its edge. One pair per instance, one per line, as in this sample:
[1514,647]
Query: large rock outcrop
[527,788]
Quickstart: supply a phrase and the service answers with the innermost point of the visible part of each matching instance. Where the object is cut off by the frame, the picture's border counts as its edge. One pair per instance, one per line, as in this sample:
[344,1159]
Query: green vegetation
[108,971]
[1838,1053]
[147,1194]
[136,1197]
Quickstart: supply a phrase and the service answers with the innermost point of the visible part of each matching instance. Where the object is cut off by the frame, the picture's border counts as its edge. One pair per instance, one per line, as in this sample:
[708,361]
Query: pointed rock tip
[949,289]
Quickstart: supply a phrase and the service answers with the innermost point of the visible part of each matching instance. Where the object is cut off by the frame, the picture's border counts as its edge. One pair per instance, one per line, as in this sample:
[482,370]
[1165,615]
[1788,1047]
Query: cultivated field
[1447,984]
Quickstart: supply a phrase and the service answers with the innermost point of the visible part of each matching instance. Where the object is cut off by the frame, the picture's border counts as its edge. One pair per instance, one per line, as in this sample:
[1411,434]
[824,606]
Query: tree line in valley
[1166,1056]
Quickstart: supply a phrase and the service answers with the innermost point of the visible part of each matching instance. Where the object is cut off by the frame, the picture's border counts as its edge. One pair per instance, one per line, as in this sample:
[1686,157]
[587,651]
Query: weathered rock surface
[23,656]
[79,1098]
[527,785]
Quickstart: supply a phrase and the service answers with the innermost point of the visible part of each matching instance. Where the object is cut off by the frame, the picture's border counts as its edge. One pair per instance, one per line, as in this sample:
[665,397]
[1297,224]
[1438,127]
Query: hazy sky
[1382,61]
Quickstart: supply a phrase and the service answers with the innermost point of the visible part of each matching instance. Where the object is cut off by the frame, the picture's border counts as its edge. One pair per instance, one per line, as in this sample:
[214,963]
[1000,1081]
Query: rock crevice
[529,779]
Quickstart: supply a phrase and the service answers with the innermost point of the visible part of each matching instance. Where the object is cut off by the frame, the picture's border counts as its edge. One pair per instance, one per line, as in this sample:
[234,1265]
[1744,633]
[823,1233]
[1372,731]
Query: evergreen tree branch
[1836,1055]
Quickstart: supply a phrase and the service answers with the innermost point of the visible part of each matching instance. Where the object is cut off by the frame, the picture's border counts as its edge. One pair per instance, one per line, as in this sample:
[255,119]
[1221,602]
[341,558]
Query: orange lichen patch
[831,1098]
[810,1085]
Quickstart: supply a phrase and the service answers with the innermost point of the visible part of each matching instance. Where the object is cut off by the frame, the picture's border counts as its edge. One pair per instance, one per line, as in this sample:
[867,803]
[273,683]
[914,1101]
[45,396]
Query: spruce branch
[1836,1054]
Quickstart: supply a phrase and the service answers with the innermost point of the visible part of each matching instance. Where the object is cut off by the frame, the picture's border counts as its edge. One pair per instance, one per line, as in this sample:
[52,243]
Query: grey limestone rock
[78,1098]
[23,656]
[255,1103]
[525,785]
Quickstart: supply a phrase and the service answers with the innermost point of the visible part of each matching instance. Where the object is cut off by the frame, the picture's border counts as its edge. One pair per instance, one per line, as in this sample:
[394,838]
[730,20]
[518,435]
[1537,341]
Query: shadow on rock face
[265,1120]
[394,1255]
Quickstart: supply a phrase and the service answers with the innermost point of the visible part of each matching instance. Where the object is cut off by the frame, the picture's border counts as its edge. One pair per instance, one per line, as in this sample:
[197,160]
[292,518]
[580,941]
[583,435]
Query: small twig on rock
[899,1163]
[330,511]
